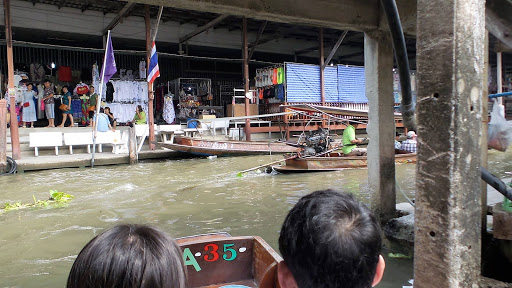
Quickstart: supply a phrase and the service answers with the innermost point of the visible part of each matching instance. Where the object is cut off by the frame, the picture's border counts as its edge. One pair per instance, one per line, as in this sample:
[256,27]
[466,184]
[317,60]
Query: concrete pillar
[485,126]
[450,64]
[378,62]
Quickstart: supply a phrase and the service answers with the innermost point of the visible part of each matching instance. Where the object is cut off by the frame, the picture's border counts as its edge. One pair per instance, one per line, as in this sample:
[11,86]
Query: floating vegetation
[56,199]
[399,256]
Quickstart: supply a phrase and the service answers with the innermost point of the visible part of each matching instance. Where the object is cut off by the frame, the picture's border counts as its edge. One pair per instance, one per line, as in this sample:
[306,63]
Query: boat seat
[45,139]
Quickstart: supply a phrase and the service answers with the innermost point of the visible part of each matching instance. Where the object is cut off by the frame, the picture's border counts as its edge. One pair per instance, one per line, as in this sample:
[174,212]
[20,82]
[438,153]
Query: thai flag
[154,71]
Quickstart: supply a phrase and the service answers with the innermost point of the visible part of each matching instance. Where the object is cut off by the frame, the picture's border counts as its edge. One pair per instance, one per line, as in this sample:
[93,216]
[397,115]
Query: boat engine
[317,142]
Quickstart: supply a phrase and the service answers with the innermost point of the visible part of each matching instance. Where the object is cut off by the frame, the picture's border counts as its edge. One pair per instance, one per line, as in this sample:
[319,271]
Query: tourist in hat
[409,145]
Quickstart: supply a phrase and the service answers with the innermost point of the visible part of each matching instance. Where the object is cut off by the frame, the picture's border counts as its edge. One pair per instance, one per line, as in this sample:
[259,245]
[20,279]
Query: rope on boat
[403,193]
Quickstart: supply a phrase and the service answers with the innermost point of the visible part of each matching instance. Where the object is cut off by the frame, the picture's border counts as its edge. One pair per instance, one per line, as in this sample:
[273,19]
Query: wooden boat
[332,162]
[227,148]
[218,260]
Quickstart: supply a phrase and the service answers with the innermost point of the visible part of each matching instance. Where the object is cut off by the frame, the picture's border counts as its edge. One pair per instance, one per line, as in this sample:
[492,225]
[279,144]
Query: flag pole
[98,100]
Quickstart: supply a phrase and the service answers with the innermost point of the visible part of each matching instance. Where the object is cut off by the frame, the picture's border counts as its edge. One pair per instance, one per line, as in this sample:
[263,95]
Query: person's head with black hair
[65,89]
[102,110]
[47,83]
[329,239]
[129,256]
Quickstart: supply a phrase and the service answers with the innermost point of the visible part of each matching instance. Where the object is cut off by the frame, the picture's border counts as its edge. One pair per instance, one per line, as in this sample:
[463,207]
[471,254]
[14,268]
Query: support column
[485,126]
[150,119]
[378,62]
[246,80]
[15,137]
[450,66]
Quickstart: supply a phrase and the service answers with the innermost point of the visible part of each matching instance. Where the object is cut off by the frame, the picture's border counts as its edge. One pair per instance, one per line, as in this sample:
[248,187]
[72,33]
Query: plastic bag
[500,130]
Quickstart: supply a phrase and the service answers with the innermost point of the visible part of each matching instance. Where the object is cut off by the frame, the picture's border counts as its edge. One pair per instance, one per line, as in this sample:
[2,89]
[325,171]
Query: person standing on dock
[330,240]
[349,142]
[29,107]
[49,103]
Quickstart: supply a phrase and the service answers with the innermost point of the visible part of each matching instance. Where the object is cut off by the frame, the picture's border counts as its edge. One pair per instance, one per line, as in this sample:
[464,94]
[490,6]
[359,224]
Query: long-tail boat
[332,162]
[219,260]
[205,147]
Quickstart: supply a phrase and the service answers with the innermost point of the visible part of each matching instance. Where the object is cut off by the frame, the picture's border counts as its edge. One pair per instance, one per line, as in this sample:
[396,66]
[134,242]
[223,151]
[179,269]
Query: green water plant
[56,199]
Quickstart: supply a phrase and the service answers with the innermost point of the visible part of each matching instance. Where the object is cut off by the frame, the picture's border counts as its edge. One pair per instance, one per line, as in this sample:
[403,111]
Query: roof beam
[253,47]
[203,28]
[307,50]
[119,17]
[277,35]
[335,48]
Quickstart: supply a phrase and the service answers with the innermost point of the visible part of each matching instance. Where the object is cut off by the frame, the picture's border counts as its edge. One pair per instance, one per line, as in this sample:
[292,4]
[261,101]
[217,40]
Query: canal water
[183,197]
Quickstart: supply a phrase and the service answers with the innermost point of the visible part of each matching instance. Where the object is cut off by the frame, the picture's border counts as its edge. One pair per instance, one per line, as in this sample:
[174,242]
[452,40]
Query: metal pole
[15,137]
[322,63]
[246,80]
[150,119]
[98,102]
[499,76]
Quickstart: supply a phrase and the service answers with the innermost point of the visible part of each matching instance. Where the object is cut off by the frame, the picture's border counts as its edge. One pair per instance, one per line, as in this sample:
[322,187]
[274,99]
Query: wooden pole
[246,80]
[150,119]
[3,133]
[15,137]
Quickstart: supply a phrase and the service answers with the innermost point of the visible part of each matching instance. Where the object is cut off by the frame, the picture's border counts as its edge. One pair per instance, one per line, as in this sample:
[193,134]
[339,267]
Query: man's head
[411,135]
[397,135]
[329,239]
[46,83]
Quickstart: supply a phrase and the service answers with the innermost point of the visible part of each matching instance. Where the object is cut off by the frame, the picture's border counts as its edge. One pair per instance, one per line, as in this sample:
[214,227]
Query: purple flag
[110,62]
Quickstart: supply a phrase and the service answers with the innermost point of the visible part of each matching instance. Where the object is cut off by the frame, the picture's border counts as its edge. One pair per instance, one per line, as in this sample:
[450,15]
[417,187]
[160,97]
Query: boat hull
[220,260]
[333,163]
[227,148]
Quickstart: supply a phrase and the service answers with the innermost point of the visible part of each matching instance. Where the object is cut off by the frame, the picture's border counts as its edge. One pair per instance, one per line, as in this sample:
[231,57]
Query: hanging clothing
[110,92]
[159,98]
[95,76]
[29,112]
[142,69]
[65,73]
[81,89]
[37,72]
[280,75]
[274,76]
[40,96]
[169,112]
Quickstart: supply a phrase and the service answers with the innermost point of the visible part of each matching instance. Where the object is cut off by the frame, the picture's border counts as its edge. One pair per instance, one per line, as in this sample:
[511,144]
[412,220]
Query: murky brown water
[183,197]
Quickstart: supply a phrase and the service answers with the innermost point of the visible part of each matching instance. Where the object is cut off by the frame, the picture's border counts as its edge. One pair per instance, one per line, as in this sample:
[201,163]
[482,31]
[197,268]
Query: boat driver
[349,141]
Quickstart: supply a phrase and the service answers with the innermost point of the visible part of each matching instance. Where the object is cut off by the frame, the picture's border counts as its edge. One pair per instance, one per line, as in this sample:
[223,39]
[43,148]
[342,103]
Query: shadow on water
[183,197]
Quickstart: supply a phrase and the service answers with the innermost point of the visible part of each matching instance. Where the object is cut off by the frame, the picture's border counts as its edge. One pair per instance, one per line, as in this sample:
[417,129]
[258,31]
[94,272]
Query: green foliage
[56,199]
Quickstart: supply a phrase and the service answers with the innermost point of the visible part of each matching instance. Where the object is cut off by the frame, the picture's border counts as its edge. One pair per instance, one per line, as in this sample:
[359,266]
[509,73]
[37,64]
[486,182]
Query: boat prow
[219,260]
